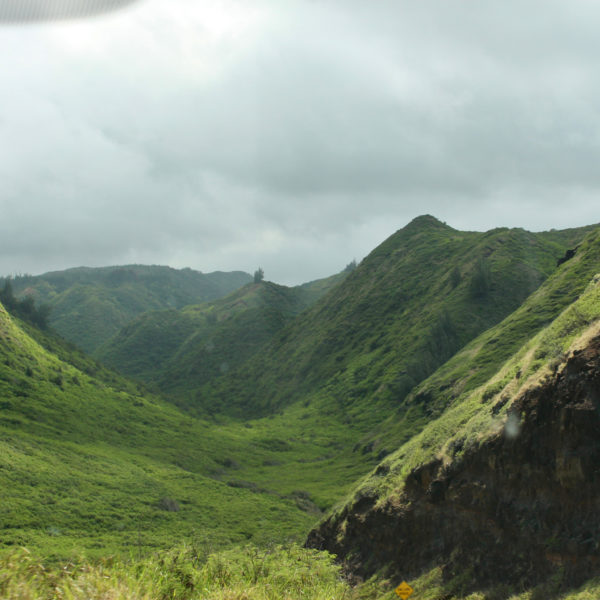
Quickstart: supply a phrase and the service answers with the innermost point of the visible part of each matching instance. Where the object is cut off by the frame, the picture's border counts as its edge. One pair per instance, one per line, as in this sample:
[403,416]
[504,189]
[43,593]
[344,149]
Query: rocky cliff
[521,506]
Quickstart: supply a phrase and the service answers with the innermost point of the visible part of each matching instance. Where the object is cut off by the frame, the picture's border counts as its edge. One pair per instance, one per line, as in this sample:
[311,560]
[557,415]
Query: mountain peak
[426,222]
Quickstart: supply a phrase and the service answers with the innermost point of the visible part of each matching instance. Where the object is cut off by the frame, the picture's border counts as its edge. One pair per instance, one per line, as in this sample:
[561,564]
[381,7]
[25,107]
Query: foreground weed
[248,573]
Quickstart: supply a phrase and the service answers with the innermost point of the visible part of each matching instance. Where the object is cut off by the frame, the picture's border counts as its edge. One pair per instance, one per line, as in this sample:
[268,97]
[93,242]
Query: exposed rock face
[515,510]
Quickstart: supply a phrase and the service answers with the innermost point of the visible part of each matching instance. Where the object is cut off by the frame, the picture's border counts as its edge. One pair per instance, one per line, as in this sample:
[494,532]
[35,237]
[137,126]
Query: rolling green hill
[182,350]
[90,462]
[88,305]
[494,491]
[402,376]
[408,307]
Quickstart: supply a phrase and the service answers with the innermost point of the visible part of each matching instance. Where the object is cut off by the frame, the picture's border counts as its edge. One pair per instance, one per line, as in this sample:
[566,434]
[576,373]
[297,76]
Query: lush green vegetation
[88,306]
[493,368]
[180,351]
[478,361]
[249,573]
[403,312]
[243,573]
[91,462]
[297,393]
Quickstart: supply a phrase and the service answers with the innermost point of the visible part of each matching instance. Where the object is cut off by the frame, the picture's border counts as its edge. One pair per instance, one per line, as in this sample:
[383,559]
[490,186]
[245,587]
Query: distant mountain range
[89,305]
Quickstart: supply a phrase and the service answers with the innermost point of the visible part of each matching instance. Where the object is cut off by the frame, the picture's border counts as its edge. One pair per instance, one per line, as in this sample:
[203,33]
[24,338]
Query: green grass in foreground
[242,573]
[431,586]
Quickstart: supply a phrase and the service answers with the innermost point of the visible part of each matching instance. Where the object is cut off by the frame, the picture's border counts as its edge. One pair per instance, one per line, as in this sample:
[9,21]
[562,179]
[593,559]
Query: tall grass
[248,573]
[243,573]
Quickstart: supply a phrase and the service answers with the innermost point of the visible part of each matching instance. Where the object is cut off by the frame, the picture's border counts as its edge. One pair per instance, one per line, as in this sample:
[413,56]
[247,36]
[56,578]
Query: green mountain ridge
[408,307]
[378,399]
[182,350]
[483,391]
[89,305]
[477,362]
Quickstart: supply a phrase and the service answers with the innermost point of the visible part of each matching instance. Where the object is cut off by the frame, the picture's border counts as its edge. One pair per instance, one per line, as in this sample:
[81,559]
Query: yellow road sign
[404,590]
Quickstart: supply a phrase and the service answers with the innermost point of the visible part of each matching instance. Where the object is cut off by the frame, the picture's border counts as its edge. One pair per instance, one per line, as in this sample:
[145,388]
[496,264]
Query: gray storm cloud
[295,135]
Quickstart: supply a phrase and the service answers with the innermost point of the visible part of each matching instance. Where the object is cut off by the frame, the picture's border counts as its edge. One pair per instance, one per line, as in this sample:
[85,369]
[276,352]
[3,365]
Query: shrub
[259,275]
[169,504]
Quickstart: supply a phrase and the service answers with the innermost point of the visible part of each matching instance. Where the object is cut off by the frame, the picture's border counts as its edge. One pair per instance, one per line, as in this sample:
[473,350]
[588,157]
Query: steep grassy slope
[479,360]
[90,305]
[182,350]
[88,461]
[407,308]
[499,492]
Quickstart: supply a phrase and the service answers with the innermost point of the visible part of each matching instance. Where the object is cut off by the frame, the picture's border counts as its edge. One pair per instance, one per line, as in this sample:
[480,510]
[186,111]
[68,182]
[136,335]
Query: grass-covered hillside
[89,305]
[497,492]
[181,350]
[90,462]
[479,360]
[406,309]
[511,353]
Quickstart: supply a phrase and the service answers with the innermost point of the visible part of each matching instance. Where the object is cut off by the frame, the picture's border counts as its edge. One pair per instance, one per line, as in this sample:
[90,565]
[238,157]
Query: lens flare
[512,428]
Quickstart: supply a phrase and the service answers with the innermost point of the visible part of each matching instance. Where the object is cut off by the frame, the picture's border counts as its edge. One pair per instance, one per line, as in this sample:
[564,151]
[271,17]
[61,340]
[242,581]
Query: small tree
[40,317]
[350,266]
[24,309]
[7,296]
[259,275]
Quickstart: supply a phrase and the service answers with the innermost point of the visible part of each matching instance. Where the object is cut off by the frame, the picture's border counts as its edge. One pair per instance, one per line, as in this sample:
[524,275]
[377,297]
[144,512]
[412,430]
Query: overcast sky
[295,135]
